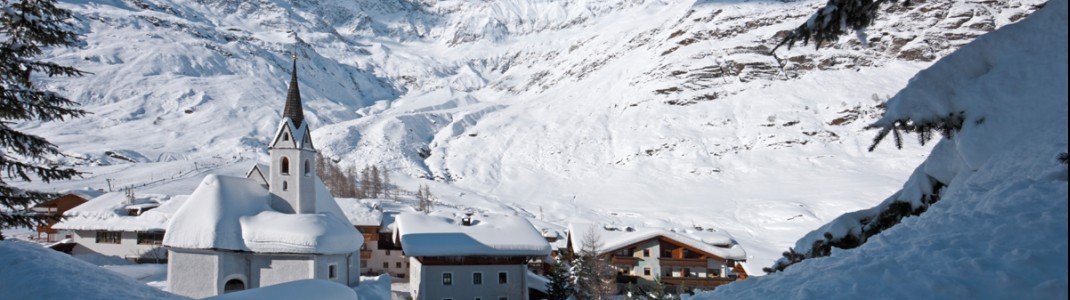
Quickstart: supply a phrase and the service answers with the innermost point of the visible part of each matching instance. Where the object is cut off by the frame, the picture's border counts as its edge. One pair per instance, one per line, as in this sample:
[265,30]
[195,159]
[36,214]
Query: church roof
[293,108]
[232,213]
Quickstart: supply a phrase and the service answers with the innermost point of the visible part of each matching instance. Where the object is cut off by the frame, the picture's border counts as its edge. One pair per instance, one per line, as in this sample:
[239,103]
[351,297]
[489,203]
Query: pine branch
[833,20]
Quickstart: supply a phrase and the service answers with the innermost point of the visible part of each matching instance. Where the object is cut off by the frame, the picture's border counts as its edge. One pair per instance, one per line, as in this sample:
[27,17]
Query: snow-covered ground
[29,271]
[647,113]
[999,230]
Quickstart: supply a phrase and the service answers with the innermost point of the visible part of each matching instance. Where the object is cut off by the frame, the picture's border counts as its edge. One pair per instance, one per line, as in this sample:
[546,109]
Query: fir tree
[27,27]
[836,18]
[560,285]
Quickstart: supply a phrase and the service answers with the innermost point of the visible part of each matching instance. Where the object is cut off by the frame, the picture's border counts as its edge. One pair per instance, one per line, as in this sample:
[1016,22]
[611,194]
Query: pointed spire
[293,109]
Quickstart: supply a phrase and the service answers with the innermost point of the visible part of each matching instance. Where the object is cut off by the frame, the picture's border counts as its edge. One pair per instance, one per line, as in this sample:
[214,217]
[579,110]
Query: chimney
[467,220]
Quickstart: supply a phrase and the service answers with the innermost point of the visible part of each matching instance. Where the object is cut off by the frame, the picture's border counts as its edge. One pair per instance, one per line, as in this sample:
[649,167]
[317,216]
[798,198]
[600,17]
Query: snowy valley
[667,114]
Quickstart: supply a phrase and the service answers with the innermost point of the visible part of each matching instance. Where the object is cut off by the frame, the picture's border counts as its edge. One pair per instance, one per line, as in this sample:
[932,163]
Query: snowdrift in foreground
[1000,230]
[322,289]
[29,271]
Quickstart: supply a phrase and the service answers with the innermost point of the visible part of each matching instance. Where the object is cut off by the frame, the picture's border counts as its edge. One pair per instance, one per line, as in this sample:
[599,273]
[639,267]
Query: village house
[696,258]
[53,209]
[469,258]
[278,224]
[374,219]
[120,224]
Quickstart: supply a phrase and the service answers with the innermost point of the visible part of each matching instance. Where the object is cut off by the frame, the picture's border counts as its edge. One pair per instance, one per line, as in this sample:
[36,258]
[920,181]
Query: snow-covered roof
[85,193]
[361,212]
[235,213]
[711,241]
[31,271]
[109,212]
[425,235]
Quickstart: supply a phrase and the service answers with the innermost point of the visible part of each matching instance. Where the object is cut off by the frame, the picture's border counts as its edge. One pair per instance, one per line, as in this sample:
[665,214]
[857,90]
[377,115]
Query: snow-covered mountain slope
[999,230]
[654,113]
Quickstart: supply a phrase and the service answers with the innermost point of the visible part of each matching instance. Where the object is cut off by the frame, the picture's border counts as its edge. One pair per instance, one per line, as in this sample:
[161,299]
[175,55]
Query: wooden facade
[54,210]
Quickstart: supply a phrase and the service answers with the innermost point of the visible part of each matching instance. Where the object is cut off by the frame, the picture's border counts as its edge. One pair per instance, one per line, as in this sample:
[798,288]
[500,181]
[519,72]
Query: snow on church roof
[233,213]
[109,212]
[424,235]
[710,241]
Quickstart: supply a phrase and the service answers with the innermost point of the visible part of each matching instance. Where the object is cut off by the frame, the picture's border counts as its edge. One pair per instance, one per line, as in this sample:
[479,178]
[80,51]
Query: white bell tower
[293,157]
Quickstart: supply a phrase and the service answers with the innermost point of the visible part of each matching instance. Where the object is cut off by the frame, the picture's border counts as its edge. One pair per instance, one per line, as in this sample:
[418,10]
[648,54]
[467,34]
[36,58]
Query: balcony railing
[698,282]
[624,261]
[683,262]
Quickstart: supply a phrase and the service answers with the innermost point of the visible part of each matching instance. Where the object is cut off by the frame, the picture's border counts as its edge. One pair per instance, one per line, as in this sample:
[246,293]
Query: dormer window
[284,168]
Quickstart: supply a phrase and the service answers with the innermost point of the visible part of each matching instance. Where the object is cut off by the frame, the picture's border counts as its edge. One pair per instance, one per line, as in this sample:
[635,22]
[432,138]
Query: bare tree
[594,275]
[424,199]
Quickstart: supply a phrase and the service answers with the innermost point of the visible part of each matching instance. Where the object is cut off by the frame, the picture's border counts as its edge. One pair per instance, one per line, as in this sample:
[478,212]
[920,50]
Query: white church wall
[274,269]
[195,278]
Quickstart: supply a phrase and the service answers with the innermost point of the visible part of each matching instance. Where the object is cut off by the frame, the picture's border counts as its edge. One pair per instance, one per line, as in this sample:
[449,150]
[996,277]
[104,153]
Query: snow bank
[29,271]
[377,287]
[109,212]
[1000,228]
[300,289]
[424,235]
[238,214]
[712,242]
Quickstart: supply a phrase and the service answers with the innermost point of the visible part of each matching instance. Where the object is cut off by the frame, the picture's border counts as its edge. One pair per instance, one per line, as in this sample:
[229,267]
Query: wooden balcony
[683,262]
[630,261]
[697,282]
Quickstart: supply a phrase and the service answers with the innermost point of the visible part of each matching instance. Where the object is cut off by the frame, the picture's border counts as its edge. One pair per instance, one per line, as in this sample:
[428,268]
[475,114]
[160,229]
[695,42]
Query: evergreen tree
[26,27]
[560,285]
[836,18]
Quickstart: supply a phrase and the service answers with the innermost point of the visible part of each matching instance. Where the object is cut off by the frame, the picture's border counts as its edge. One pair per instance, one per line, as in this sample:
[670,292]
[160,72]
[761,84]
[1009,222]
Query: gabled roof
[233,213]
[426,235]
[710,242]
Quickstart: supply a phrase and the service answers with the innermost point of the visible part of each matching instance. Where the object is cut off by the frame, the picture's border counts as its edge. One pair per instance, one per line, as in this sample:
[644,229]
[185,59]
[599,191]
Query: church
[277,224]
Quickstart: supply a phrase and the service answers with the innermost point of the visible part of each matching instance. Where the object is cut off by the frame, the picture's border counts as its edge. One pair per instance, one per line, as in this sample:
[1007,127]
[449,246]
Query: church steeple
[293,109]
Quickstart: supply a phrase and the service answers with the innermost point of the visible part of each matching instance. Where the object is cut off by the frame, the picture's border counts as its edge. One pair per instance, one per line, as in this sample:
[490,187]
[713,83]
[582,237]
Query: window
[477,278]
[398,264]
[285,186]
[447,278]
[386,265]
[233,285]
[284,165]
[388,252]
[109,237]
[150,238]
[503,278]
[646,252]
[332,271]
[503,298]
[646,271]
[307,169]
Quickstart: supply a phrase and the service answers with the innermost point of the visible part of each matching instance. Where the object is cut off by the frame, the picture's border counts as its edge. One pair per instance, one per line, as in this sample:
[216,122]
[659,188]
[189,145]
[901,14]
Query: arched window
[233,285]
[284,167]
[284,186]
[308,169]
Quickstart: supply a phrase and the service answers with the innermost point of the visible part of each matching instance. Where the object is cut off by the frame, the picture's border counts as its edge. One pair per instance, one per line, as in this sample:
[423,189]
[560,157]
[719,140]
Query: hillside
[659,113]
[999,229]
